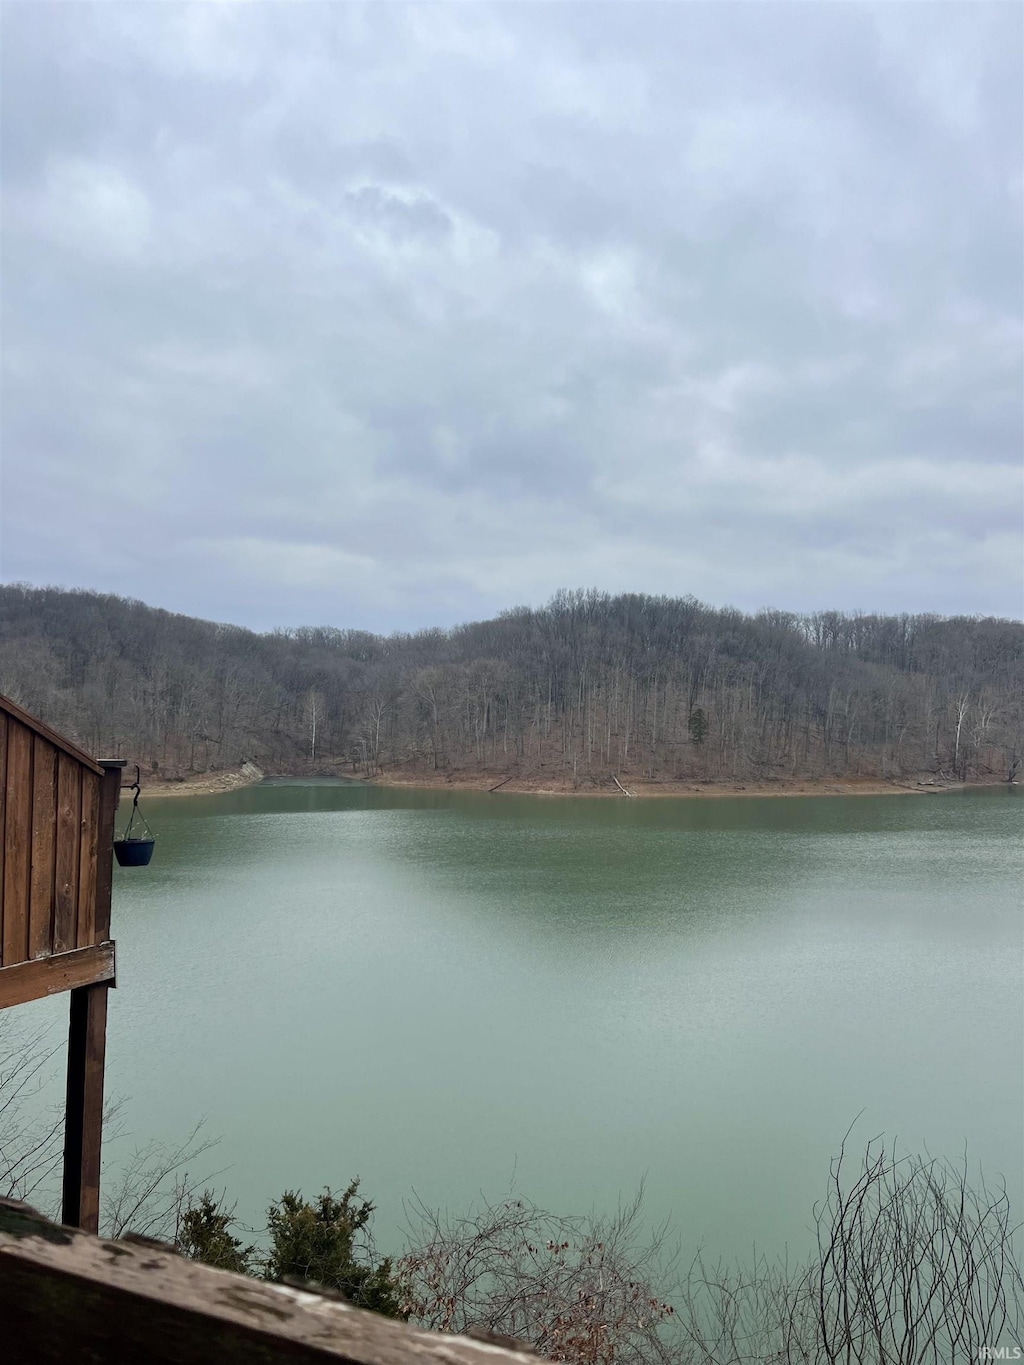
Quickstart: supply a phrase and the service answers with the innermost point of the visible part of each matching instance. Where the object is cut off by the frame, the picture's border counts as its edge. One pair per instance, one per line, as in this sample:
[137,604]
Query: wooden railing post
[87,1043]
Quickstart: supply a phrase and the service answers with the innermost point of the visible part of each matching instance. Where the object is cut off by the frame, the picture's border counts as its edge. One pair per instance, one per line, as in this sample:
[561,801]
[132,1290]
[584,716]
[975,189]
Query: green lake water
[443,992]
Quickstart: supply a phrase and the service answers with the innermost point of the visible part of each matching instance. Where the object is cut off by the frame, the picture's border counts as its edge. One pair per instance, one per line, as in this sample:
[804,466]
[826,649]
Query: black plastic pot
[133,852]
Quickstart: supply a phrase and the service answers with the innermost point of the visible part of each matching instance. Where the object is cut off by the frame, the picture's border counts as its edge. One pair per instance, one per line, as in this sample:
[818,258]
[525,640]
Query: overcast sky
[390,316]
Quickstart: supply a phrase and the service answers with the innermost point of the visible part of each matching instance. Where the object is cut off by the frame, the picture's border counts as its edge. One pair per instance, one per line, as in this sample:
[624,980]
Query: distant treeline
[587,686]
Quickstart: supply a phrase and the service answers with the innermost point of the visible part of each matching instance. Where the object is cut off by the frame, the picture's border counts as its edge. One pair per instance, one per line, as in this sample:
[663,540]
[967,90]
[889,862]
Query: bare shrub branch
[577,1289]
[154,1187]
[31,1132]
[915,1265]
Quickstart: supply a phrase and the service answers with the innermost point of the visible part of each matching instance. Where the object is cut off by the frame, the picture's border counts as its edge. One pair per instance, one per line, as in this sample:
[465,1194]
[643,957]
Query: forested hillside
[588,686]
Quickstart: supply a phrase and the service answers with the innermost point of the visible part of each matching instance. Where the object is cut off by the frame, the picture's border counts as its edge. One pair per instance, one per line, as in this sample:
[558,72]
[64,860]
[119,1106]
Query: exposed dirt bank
[542,784]
[545,785]
[205,784]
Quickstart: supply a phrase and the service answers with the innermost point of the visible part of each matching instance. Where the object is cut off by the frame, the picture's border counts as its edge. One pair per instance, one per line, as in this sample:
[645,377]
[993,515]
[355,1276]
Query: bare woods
[590,685]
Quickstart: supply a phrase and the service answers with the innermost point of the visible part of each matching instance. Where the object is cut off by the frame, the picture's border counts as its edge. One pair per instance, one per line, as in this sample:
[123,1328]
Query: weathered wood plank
[87,861]
[66,1296]
[17,843]
[69,815]
[3,811]
[26,981]
[83,1118]
[44,847]
[62,972]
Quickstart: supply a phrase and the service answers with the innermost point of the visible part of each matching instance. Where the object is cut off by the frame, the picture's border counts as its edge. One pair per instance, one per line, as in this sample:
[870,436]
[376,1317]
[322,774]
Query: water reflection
[432,988]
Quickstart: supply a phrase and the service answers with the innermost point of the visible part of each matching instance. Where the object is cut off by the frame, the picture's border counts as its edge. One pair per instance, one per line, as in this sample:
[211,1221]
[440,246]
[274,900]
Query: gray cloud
[390,316]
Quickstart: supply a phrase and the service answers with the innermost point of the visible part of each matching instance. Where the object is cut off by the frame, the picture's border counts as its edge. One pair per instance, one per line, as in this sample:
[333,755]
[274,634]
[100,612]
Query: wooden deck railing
[66,1296]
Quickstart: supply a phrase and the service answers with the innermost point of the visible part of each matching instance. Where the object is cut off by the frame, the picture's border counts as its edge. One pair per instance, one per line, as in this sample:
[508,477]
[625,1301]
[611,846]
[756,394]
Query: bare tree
[960,707]
[642,686]
[314,719]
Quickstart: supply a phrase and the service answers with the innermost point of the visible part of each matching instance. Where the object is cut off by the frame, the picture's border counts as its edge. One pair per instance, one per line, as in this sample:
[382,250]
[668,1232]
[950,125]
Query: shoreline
[204,784]
[645,789]
[212,784]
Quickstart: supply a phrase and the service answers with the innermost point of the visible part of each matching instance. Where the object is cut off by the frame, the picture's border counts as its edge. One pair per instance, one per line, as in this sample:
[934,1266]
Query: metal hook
[135,787]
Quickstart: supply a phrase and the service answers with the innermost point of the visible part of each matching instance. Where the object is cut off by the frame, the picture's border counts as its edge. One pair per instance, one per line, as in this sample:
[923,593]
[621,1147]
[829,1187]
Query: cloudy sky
[388,316]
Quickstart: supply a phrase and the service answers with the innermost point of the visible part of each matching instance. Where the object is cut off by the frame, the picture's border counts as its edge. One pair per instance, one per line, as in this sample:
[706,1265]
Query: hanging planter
[136,844]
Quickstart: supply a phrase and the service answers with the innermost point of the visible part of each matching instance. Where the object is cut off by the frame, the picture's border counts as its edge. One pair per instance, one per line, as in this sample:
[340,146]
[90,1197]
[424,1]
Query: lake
[447,992]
